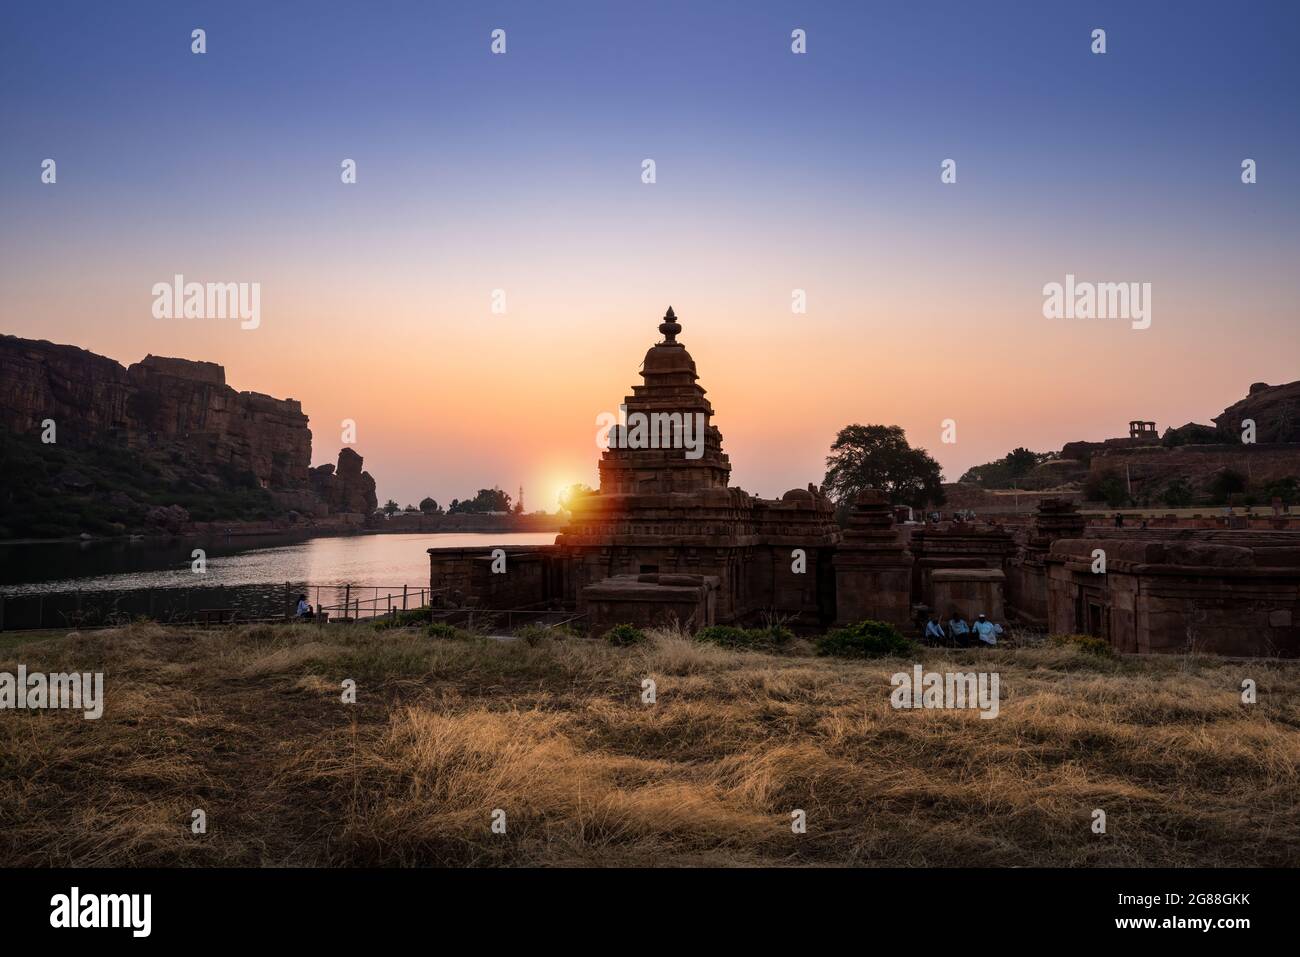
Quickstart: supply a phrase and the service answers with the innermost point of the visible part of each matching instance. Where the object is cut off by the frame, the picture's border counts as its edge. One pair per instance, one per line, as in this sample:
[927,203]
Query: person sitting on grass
[934,630]
[959,630]
[986,631]
[304,609]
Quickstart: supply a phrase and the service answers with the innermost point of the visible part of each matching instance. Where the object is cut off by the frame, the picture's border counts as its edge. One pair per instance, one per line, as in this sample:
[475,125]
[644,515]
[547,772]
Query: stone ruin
[667,539]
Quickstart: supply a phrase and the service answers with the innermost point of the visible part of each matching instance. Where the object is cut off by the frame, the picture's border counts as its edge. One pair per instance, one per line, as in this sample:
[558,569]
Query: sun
[562,494]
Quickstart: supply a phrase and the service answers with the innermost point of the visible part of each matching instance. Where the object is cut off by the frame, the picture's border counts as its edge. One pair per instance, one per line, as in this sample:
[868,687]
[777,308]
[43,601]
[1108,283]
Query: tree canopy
[879,456]
[573,492]
[487,500]
[1003,472]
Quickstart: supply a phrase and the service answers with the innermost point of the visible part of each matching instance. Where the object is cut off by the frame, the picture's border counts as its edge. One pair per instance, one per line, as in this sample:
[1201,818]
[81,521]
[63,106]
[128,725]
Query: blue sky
[774,171]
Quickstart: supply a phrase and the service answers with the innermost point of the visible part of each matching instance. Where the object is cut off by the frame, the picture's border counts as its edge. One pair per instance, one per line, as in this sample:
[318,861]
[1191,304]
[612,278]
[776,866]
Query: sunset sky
[775,171]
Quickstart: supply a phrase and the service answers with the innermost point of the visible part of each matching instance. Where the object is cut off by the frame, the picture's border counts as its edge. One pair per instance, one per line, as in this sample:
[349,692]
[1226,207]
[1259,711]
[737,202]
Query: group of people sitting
[956,631]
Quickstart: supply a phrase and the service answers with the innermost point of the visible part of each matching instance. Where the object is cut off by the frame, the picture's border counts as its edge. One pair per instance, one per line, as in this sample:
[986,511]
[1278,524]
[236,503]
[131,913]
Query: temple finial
[670,327]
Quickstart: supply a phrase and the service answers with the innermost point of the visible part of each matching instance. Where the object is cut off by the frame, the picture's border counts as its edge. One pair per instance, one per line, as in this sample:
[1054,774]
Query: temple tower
[665,414]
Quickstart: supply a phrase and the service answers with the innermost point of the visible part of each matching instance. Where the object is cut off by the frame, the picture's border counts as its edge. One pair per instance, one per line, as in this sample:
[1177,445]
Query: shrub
[440,629]
[1177,494]
[404,619]
[731,637]
[1225,484]
[780,634]
[866,639]
[534,635]
[624,635]
[1287,489]
[1086,643]
[727,636]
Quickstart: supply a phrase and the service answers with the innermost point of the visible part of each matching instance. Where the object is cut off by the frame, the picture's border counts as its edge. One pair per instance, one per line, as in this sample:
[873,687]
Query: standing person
[986,631]
[934,630]
[959,630]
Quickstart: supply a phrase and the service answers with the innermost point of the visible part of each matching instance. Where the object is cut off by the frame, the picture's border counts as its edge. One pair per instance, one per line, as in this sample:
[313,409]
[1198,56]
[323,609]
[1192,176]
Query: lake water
[78,585]
[382,560]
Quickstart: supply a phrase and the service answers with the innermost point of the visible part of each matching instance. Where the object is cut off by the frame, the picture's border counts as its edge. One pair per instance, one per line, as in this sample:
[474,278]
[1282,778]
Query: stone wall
[533,576]
[649,601]
[972,591]
[1178,595]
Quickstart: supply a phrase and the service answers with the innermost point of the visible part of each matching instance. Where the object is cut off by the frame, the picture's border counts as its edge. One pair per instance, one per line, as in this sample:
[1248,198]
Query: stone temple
[668,538]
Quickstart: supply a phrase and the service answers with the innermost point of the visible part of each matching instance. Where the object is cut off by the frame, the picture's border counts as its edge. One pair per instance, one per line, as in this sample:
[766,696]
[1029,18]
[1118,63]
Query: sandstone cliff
[1275,409]
[164,445]
[154,403]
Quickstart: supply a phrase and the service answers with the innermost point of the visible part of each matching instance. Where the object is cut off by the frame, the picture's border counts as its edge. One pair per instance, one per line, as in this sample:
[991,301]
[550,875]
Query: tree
[1225,484]
[1108,487]
[391,508]
[430,507]
[487,500]
[573,493]
[1287,489]
[1006,471]
[1177,494]
[410,508]
[1021,461]
[878,456]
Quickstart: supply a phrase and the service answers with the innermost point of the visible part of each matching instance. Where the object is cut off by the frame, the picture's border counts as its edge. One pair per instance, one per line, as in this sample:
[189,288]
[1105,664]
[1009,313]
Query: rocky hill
[1192,464]
[1275,410]
[153,403]
[92,446]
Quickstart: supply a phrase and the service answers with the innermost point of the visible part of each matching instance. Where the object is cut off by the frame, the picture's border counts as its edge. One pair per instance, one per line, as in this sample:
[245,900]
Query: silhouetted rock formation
[154,403]
[347,488]
[1275,410]
[159,446]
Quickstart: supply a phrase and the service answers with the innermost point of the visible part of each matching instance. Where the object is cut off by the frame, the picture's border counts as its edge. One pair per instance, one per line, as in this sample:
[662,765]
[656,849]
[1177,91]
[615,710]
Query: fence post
[2,612]
[347,600]
[288,602]
[390,603]
[403,598]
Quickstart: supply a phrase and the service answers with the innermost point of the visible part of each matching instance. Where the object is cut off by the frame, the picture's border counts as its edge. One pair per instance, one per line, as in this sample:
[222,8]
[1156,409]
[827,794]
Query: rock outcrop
[345,488]
[1275,410]
[156,403]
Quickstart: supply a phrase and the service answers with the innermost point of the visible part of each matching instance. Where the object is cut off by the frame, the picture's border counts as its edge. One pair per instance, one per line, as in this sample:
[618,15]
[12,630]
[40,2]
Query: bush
[623,635]
[440,629]
[404,619]
[757,638]
[1287,489]
[866,639]
[1109,487]
[1225,484]
[1085,643]
[534,635]
[1177,494]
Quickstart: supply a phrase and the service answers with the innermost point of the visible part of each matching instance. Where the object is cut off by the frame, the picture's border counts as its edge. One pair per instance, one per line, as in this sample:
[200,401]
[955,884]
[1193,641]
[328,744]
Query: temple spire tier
[670,327]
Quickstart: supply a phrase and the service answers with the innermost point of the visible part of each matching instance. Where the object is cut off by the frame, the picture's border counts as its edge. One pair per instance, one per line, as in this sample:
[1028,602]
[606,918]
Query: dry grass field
[247,724]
